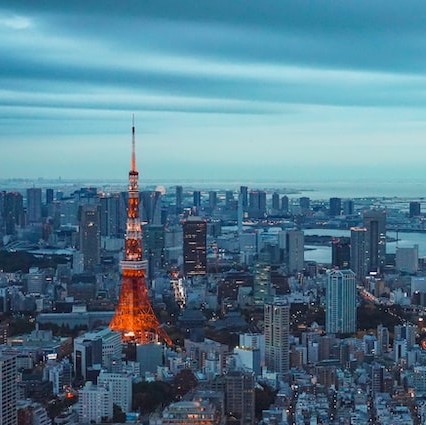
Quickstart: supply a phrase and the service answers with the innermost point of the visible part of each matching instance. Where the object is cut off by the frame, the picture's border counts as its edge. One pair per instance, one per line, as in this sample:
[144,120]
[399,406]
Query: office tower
[194,246]
[34,205]
[153,244]
[212,199]
[375,223]
[341,252]
[110,216]
[196,198]
[36,281]
[277,328]
[150,206]
[382,340]
[284,204]
[120,386]
[340,302]
[261,282]
[49,196]
[240,396]
[304,203]
[415,209]
[407,259]
[13,212]
[335,207]
[257,204]
[275,201]
[8,390]
[229,198]
[94,404]
[419,379]
[179,198]
[359,251]
[348,207]
[240,214]
[244,193]
[377,378]
[292,244]
[90,236]
[134,316]
[407,333]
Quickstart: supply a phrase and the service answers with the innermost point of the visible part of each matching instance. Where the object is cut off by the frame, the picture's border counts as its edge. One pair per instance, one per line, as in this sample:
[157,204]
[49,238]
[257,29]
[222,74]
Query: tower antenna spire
[133,162]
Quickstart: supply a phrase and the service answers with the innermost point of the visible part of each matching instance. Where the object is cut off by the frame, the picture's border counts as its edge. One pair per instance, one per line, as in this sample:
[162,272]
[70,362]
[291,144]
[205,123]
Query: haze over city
[220,89]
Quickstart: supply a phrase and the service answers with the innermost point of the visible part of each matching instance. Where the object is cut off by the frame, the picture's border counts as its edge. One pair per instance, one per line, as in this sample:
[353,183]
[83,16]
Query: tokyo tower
[134,316]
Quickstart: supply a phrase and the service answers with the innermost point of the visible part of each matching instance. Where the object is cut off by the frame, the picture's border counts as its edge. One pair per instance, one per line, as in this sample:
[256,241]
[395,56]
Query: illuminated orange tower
[134,316]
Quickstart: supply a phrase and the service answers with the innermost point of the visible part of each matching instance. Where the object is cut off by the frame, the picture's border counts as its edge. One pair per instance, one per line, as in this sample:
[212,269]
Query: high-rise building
[109,215]
[257,204]
[134,316]
[284,204]
[305,203]
[275,201]
[382,340]
[94,404]
[359,251]
[229,198]
[348,207]
[212,199]
[277,329]
[261,282]
[13,212]
[153,244]
[415,209]
[335,207]
[8,390]
[377,378]
[179,198]
[407,259]
[194,246]
[196,198]
[244,193]
[340,302]
[375,223]
[90,236]
[240,396]
[150,207]
[34,205]
[341,252]
[407,333]
[49,196]
[120,386]
[292,244]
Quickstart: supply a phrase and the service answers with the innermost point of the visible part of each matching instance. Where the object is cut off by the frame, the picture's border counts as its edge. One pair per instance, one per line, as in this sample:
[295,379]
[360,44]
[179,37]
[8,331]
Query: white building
[340,302]
[94,404]
[120,385]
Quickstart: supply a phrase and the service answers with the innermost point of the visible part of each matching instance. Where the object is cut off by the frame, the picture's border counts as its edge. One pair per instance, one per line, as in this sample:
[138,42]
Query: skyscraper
[150,206]
[194,246]
[244,193]
[196,198]
[8,390]
[277,328]
[34,204]
[257,204]
[340,252]
[340,302]
[275,201]
[90,236]
[109,215]
[261,282]
[335,206]
[179,198]
[359,251]
[291,242]
[212,199]
[375,223]
[284,204]
[415,209]
[13,212]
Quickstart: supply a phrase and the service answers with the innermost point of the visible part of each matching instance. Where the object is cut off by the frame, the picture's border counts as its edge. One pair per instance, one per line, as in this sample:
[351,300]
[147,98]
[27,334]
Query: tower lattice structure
[134,316]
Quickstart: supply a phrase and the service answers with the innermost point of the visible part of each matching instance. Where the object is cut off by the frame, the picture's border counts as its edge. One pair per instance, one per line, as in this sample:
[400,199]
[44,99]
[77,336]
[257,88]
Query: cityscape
[212,213]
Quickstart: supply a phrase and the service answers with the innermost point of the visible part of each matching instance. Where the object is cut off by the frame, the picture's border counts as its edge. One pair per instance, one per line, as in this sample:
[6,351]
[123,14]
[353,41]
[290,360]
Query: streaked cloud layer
[241,89]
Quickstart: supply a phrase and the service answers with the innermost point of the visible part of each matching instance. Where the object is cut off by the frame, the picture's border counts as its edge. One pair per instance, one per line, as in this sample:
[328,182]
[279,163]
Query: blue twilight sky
[221,89]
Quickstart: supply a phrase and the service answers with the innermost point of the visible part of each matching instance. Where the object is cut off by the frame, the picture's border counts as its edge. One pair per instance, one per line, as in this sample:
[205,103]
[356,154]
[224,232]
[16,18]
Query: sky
[220,89]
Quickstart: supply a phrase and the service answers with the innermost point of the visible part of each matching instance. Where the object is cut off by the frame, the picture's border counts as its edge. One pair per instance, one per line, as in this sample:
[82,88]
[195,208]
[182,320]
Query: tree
[118,415]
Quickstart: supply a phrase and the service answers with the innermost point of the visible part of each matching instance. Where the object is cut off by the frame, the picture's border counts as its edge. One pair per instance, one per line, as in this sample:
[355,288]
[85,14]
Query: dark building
[179,198]
[335,207]
[153,245]
[13,212]
[415,209]
[212,199]
[244,196]
[341,252]
[150,207]
[348,207]
[49,196]
[196,198]
[110,216]
[284,204]
[34,205]
[90,236]
[275,201]
[304,203]
[257,204]
[375,223]
[240,397]
[194,246]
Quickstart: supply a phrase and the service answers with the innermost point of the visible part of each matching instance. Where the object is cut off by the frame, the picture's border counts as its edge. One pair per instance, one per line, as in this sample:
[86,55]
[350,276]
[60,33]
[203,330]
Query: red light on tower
[134,316]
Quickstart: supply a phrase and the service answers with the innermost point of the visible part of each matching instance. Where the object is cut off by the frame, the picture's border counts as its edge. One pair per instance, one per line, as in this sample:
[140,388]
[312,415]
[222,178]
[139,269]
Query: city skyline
[242,90]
